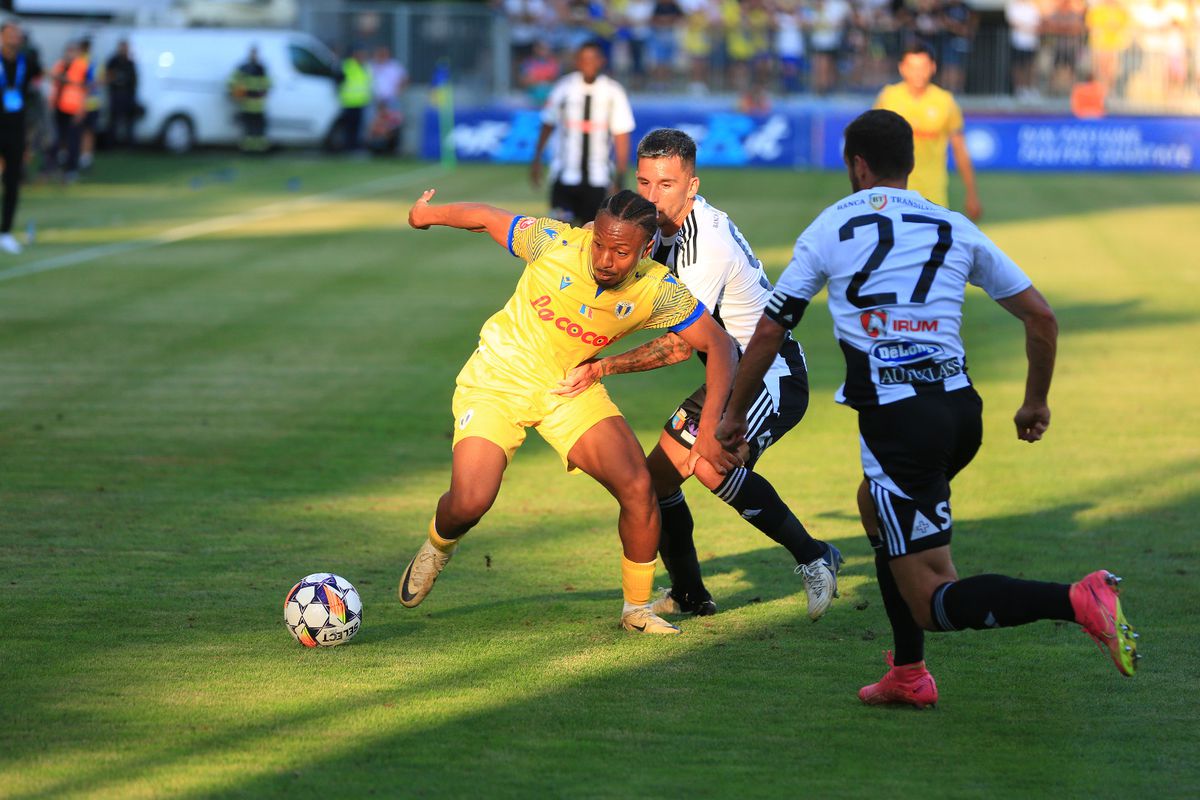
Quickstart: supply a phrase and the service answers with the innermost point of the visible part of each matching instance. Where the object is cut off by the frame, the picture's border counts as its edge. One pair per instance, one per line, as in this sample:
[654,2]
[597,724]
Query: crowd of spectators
[784,47]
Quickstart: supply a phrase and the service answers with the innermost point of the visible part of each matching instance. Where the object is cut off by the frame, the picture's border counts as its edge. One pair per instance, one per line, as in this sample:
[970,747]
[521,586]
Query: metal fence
[468,39]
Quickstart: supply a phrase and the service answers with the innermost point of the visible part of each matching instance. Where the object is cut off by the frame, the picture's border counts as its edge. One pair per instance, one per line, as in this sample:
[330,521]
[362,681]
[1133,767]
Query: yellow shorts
[501,416]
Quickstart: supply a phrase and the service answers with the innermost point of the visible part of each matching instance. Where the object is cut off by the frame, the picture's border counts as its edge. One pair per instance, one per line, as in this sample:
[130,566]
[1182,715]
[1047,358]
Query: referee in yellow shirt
[935,119]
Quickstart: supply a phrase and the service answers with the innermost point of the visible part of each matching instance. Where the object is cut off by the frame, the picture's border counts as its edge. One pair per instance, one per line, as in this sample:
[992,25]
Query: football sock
[637,581]
[907,635]
[753,496]
[997,601]
[677,548]
[445,545]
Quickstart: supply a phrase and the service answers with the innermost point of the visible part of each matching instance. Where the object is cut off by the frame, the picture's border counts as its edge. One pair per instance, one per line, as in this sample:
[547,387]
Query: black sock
[907,635]
[678,550]
[997,601]
[752,496]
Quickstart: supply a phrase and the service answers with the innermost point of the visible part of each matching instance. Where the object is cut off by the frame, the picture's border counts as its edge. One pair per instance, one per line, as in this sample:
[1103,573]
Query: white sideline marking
[207,226]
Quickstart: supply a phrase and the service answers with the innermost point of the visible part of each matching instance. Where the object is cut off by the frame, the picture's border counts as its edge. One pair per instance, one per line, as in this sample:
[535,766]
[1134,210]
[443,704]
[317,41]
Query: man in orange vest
[72,77]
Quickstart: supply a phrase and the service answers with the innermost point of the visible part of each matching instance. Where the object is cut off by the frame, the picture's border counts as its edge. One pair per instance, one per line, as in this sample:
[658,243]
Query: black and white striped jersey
[714,261]
[897,268]
[587,117]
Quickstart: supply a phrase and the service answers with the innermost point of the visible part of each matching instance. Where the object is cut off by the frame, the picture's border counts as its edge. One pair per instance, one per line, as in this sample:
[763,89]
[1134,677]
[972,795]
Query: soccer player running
[935,119]
[580,290]
[897,267]
[592,114]
[702,247]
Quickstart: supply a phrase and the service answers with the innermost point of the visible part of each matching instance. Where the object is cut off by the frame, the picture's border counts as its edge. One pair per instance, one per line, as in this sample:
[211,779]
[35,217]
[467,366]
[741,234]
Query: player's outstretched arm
[475,217]
[661,352]
[711,339]
[760,352]
[1041,345]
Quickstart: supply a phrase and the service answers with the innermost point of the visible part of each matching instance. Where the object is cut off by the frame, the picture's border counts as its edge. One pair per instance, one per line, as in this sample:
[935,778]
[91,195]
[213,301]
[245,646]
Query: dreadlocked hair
[628,206]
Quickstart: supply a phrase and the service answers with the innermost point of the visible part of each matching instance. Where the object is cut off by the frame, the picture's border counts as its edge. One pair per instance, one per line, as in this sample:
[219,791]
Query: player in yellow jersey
[580,291]
[935,119]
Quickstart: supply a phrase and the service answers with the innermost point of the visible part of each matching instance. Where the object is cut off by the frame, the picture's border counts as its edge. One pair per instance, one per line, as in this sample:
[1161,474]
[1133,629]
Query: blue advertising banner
[726,139]
[812,137]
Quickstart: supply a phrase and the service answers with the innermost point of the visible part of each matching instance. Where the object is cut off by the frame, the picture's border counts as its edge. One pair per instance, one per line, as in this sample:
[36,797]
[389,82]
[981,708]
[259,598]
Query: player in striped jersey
[897,267]
[701,245]
[592,115]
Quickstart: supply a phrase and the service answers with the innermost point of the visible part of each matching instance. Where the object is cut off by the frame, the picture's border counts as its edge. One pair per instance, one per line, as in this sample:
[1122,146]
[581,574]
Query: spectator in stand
[789,44]
[700,19]
[749,34]
[1062,32]
[1024,22]
[954,44]
[539,72]
[830,18]
[636,33]
[528,20]
[926,23]
[664,42]
[121,80]
[1108,35]
[883,40]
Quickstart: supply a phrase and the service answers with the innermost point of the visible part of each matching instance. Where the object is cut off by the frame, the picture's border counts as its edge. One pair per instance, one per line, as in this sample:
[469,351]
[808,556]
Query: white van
[183,77]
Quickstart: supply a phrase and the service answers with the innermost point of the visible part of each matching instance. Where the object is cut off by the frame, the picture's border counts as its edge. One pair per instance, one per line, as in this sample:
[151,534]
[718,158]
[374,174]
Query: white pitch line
[215,224]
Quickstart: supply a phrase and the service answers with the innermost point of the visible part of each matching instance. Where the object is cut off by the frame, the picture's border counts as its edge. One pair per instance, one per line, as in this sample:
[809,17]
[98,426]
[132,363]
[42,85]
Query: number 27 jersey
[897,267]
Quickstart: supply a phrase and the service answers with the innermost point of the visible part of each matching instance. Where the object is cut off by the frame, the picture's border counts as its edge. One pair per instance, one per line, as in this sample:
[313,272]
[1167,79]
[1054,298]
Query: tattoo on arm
[661,352]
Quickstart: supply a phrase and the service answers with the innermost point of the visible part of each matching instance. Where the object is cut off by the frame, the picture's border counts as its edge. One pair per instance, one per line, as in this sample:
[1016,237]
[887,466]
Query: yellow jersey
[559,317]
[934,117]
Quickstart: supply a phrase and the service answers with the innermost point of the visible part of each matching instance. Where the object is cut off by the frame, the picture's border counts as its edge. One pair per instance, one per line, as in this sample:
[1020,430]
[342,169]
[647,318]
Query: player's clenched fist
[417,215]
[1032,422]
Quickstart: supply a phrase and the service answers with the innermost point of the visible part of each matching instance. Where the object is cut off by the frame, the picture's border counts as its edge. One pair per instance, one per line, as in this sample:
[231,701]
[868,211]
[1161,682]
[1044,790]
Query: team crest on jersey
[564,282]
[585,311]
[623,309]
[465,419]
[878,201]
[874,322]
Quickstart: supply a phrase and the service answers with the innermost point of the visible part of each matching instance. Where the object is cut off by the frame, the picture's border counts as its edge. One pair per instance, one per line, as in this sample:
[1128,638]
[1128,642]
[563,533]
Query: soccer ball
[322,610]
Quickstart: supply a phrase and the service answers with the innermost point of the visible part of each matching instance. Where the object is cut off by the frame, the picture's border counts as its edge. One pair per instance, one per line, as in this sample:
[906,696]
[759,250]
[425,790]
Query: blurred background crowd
[1027,49]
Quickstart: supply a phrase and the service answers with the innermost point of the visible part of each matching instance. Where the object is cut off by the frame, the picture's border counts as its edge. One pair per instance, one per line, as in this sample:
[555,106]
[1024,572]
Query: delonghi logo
[904,352]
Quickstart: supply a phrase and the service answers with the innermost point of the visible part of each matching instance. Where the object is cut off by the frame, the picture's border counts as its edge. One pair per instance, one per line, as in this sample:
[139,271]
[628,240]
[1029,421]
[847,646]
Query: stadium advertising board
[727,139]
[800,138]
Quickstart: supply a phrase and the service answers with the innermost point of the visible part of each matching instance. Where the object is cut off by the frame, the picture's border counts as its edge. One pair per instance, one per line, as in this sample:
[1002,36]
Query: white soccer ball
[322,610]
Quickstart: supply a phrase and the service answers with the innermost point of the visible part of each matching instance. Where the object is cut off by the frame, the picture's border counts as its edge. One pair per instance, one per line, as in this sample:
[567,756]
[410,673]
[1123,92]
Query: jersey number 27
[887,238]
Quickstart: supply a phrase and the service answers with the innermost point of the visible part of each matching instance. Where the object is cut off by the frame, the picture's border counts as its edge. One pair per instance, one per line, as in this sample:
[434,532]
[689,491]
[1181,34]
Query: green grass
[186,428]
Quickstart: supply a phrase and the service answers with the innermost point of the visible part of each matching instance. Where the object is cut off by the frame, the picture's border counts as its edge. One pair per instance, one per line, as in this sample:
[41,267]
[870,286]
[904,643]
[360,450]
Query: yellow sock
[445,545]
[637,581]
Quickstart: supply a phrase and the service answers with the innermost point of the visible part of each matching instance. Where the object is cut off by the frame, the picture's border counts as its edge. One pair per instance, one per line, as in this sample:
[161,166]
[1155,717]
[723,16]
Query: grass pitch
[219,375]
